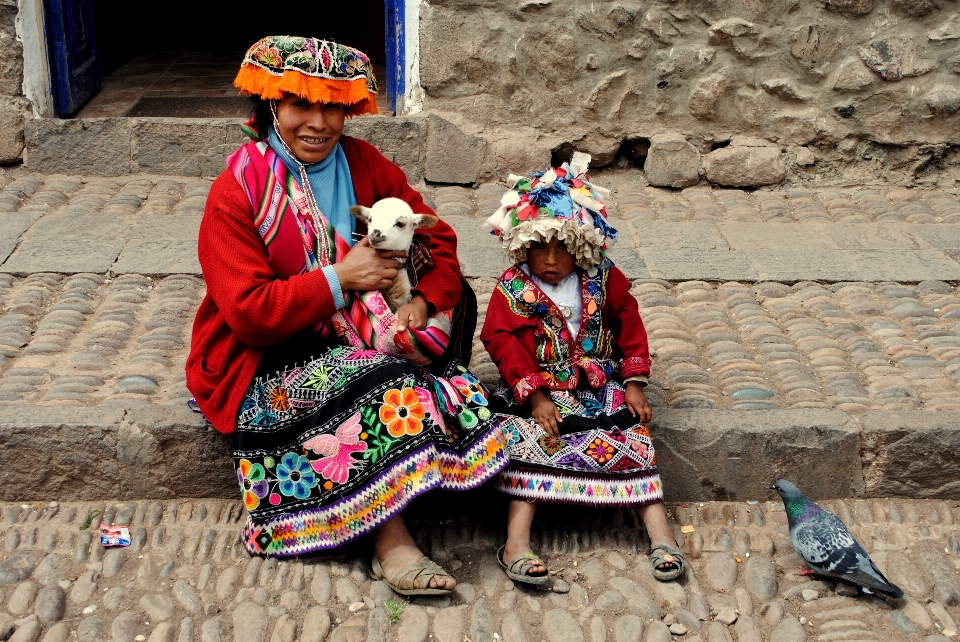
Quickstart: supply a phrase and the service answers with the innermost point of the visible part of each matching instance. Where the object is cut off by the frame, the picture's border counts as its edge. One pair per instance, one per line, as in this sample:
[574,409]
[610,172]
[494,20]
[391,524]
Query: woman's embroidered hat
[321,71]
[560,203]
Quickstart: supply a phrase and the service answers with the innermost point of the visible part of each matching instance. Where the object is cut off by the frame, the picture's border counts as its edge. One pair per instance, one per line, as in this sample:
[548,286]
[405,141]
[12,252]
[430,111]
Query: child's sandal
[663,554]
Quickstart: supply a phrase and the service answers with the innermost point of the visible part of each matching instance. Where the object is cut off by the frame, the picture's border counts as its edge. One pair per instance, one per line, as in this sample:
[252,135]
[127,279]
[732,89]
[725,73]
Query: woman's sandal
[663,554]
[518,568]
[405,581]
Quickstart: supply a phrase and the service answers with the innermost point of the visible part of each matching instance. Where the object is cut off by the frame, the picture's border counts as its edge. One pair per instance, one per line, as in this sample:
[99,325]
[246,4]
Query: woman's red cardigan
[247,308]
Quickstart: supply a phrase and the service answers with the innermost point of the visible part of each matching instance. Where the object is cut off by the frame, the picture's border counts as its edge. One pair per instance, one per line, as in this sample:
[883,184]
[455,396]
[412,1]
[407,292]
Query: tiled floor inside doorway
[182,84]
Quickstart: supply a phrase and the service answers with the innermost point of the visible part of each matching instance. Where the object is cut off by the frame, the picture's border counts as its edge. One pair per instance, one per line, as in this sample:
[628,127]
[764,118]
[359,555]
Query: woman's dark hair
[263,116]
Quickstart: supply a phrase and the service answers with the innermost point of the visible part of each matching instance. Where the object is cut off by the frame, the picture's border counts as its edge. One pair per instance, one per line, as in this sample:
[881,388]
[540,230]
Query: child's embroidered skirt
[329,450]
[602,457]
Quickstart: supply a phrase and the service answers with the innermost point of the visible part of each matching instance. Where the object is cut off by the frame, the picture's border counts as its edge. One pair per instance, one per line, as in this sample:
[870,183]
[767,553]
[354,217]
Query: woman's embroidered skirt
[602,456]
[328,450]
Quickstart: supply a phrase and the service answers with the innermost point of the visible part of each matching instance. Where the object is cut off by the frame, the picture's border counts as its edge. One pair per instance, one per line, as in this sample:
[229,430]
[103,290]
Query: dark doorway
[178,58]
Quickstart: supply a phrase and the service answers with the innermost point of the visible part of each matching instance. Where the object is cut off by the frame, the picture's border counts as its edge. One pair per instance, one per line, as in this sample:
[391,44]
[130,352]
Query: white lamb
[390,226]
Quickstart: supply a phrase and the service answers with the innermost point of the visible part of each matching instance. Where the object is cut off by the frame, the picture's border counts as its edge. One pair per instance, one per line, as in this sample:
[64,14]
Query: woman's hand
[545,413]
[364,268]
[637,402]
[413,314]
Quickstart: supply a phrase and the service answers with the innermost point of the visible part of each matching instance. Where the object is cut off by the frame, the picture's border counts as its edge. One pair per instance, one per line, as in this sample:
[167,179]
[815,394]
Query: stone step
[749,383]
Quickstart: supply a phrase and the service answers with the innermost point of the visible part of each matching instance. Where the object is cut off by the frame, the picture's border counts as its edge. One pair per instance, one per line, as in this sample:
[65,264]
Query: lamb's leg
[398,294]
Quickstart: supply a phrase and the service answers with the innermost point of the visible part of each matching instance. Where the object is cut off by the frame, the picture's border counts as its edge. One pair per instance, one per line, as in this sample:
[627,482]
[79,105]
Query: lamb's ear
[421,221]
[361,212]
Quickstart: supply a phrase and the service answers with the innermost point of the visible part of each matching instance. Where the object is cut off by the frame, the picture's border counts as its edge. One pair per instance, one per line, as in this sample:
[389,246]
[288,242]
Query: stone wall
[13,105]
[837,91]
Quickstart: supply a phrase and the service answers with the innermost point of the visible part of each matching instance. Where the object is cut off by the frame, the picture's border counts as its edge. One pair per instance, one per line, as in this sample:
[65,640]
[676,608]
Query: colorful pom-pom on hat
[321,71]
[560,203]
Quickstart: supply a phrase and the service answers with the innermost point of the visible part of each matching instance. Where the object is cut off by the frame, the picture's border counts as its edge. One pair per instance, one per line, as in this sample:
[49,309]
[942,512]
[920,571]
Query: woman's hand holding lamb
[364,268]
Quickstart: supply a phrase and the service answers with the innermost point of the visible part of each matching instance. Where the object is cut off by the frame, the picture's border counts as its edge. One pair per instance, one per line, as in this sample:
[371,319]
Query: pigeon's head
[787,491]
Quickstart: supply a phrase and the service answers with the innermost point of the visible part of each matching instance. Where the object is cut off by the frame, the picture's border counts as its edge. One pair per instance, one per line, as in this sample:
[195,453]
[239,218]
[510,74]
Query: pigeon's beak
[773,487]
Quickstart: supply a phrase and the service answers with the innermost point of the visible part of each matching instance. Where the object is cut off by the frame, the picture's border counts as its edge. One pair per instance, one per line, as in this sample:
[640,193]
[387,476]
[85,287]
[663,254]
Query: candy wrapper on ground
[114,535]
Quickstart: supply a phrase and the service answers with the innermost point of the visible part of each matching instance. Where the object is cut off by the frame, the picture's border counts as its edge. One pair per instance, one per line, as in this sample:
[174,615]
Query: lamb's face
[391,223]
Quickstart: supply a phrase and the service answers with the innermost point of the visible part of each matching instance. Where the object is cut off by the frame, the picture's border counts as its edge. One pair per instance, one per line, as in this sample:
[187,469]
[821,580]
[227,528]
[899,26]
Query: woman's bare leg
[519,518]
[658,528]
[396,550]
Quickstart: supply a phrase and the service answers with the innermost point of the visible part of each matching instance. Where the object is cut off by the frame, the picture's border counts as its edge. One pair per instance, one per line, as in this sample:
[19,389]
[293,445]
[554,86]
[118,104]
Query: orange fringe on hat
[353,94]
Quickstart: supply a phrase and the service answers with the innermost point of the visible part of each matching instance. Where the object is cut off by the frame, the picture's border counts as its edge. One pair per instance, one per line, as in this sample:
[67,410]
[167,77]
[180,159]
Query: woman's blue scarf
[331,184]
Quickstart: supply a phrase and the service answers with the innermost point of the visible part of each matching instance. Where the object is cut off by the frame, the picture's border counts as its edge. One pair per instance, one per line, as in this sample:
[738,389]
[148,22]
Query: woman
[330,441]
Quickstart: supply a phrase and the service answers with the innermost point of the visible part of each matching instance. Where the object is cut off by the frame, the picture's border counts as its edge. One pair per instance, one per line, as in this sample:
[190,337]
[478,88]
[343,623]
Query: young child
[572,351]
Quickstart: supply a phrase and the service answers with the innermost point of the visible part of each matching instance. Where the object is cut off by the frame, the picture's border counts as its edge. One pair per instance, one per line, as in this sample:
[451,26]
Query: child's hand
[637,402]
[413,314]
[545,413]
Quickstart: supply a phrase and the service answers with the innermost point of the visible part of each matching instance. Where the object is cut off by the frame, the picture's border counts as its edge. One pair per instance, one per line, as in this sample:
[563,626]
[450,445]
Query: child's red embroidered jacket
[529,340]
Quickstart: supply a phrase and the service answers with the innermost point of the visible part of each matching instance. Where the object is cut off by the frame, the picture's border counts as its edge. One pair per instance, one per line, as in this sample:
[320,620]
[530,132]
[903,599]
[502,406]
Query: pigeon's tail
[880,583]
[893,592]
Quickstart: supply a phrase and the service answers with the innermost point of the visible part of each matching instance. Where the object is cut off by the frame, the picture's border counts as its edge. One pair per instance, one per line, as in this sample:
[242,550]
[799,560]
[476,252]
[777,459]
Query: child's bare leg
[519,518]
[658,528]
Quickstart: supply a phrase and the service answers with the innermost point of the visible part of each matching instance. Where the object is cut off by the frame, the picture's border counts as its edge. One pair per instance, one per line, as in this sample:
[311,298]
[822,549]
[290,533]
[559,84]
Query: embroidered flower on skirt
[363,435]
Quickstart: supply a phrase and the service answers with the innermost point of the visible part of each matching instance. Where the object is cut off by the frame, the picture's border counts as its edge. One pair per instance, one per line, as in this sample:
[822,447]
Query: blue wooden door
[396,50]
[73,53]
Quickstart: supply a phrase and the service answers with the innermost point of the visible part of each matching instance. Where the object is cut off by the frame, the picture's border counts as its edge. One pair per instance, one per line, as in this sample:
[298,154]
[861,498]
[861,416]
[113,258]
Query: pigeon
[825,544]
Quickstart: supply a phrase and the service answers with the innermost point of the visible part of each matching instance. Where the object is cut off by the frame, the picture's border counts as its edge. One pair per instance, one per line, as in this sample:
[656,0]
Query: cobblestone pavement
[99,284]
[83,339]
[186,577]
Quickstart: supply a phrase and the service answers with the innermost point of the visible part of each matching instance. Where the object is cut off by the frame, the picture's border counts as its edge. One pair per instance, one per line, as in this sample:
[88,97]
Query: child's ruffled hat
[322,71]
[560,203]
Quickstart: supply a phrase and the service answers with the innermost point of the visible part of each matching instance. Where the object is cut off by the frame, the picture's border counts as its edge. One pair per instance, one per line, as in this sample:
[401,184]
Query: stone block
[172,145]
[797,265]
[851,7]
[911,454]
[602,149]
[13,112]
[904,265]
[89,146]
[852,75]
[158,257]
[775,236]
[11,66]
[704,455]
[520,155]
[133,451]
[479,251]
[944,236]
[696,263]
[68,255]
[706,95]
[679,235]
[629,262]
[743,166]
[451,155]
[672,162]
[165,228]
[12,225]
[69,242]
[785,89]
[400,139]
[896,58]
[943,100]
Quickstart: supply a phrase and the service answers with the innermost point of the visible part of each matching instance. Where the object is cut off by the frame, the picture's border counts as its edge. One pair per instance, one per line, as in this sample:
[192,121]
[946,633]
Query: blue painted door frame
[396,51]
[72,46]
